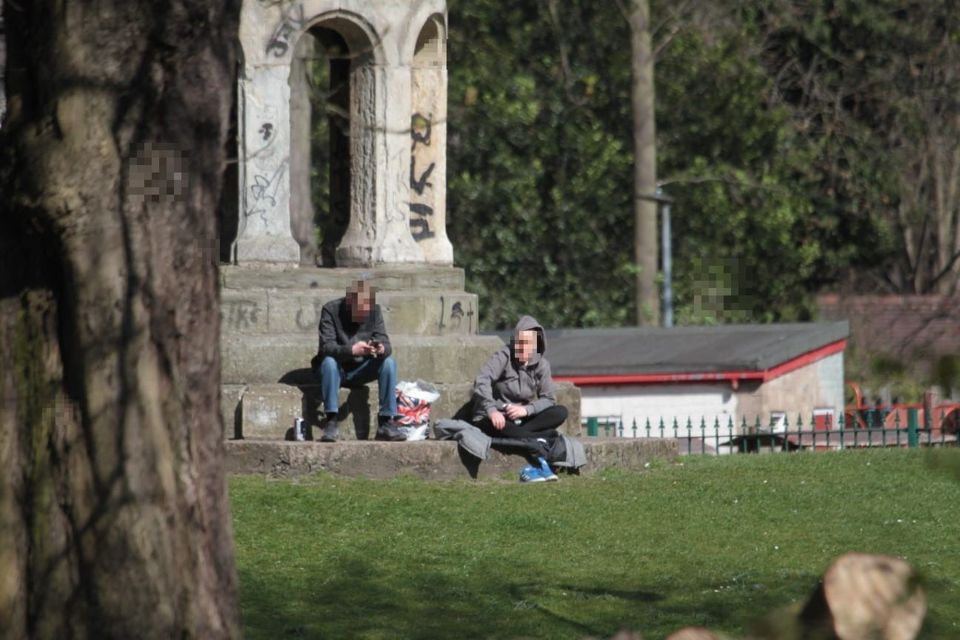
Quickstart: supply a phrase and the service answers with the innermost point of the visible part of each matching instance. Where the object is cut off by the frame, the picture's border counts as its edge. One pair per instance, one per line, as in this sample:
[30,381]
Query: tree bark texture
[114,520]
[644,164]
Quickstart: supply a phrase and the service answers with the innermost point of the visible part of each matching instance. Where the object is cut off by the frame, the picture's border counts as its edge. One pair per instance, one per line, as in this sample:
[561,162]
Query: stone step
[280,311]
[429,460]
[248,359]
[267,411]
[417,277]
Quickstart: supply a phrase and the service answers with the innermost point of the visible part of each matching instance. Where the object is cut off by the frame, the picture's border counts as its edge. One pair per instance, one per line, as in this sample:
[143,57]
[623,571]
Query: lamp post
[666,252]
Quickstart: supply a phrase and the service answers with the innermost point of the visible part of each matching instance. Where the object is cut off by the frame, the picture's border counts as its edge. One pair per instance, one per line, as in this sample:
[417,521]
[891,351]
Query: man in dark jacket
[514,395]
[354,350]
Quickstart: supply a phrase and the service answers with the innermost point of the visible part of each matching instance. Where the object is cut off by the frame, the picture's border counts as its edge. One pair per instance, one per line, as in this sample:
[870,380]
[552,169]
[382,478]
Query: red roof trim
[712,376]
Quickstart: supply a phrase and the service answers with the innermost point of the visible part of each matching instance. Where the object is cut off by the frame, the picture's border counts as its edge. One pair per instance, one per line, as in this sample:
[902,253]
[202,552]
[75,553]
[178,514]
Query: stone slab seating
[269,321]
[428,460]
[266,411]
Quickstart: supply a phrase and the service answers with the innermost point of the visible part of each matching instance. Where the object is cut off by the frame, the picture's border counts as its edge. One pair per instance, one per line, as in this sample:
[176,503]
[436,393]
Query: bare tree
[876,87]
[113,514]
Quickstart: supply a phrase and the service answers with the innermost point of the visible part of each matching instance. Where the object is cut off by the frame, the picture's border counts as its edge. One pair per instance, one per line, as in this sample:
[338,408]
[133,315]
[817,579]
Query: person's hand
[379,349]
[361,348]
[497,420]
[516,411]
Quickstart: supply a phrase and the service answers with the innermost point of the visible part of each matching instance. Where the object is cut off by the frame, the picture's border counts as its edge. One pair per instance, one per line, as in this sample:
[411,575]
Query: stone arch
[340,50]
[379,75]
[428,126]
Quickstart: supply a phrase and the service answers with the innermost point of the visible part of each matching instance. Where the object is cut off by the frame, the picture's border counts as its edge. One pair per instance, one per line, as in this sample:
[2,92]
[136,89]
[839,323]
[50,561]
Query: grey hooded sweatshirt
[502,380]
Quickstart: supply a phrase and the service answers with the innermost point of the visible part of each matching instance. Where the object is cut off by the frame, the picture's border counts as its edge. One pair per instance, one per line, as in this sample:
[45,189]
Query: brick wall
[899,326]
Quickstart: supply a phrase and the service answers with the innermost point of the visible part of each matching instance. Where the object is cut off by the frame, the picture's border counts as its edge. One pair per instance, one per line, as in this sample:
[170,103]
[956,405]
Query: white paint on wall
[681,402]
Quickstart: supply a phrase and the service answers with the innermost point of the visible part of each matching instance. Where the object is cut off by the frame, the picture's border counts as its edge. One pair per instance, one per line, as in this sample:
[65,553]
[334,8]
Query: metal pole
[666,249]
[913,424]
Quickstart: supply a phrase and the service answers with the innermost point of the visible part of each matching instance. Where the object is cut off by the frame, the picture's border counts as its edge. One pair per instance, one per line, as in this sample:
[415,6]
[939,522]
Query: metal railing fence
[910,427]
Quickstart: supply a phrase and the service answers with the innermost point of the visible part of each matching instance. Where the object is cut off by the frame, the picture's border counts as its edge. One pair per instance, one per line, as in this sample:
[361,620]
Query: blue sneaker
[531,474]
[545,471]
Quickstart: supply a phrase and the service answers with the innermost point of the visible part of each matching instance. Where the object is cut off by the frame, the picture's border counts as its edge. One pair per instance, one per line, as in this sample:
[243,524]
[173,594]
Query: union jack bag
[413,406]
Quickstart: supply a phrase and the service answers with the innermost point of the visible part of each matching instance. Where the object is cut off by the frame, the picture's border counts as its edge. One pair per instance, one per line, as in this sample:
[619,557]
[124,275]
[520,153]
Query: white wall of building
[813,388]
[671,402]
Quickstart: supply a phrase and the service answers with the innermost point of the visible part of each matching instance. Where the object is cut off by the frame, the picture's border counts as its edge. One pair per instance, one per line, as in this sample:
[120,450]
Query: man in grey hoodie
[514,395]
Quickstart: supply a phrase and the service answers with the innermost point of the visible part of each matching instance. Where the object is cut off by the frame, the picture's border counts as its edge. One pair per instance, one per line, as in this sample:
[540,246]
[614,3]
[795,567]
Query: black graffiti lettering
[279,42]
[420,229]
[421,209]
[418,124]
[420,184]
[266,130]
[456,314]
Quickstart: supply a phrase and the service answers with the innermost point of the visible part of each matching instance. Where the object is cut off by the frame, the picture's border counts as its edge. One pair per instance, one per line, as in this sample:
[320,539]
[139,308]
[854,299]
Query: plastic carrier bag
[413,406]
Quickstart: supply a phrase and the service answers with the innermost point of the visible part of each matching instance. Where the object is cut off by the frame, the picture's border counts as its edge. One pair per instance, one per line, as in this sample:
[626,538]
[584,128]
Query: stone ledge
[267,411]
[281,311]
[248,359]
[428,460]
[398,277]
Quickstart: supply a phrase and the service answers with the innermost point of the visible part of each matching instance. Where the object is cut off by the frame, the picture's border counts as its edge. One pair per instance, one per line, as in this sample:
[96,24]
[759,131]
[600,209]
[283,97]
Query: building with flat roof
[708,375]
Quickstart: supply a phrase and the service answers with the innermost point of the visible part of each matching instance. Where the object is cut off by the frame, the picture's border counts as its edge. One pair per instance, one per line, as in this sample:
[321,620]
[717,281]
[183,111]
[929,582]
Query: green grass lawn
[705,541]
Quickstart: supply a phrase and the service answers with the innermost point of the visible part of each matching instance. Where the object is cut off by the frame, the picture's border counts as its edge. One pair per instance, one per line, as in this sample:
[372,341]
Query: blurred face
[525,345]
[360,301]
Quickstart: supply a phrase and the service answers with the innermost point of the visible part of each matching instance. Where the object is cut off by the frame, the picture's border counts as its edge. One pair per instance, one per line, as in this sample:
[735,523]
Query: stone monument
[387,169]
[392,63]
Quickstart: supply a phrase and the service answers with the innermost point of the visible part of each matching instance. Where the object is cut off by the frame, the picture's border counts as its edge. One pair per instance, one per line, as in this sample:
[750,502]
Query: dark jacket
[338,333]
[503,380]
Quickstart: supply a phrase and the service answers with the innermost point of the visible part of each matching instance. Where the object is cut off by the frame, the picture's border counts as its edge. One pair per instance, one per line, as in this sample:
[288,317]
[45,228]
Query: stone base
[266,251]
[429,460]
[267,411]
[248,359]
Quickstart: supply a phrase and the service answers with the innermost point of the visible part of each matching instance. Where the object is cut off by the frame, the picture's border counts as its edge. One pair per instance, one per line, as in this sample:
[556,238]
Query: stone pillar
[428,144]
[397,160]
[264,138]
[379,231]
[301,129]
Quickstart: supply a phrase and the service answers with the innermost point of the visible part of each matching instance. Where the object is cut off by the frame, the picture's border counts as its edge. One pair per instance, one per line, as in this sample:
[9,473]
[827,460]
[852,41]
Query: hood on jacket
[526,323]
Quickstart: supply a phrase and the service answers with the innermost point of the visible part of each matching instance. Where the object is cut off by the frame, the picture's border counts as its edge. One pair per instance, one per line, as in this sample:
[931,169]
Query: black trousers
[530,427]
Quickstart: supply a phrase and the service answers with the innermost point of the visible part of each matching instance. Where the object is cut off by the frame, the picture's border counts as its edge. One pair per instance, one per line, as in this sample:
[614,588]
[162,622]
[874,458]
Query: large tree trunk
[644,164]
[113,514]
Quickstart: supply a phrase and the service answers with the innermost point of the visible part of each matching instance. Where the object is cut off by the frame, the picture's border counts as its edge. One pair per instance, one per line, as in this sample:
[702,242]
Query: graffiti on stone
[421,213]
[420,127]
[420,227]
[280,39]
[263,192]
[309,318]
[266,130]
[420,184]
[241,314]
[458,311]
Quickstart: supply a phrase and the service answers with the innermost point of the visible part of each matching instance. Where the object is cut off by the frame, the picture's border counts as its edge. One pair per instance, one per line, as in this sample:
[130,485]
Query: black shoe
[330,431]
[390,431]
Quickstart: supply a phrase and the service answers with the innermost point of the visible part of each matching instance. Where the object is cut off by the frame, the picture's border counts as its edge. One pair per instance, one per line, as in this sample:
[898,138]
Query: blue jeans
[383,370]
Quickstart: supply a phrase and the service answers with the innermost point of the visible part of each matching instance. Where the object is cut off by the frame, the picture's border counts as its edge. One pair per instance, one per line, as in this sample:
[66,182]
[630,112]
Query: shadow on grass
[357,599]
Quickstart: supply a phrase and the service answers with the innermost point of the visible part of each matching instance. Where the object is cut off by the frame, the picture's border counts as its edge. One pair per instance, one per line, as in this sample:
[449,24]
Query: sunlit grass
[709,541]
